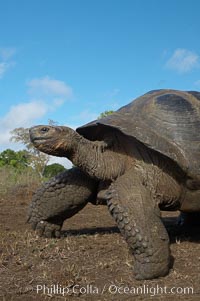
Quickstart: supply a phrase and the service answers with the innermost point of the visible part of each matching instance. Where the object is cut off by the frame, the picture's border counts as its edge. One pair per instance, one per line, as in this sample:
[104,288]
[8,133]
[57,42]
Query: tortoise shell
[167,121]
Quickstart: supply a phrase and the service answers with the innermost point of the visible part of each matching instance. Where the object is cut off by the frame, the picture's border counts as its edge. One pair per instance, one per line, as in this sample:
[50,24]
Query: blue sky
[69,60]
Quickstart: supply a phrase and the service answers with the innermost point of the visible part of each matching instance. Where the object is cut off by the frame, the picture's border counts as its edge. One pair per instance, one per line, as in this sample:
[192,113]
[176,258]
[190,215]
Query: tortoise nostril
[44,130]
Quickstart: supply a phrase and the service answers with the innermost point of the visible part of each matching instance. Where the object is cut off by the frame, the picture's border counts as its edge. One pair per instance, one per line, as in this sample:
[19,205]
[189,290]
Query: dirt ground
[90,262]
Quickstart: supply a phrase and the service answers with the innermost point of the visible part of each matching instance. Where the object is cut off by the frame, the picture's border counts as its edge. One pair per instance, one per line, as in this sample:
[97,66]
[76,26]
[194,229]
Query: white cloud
[3,68]
[25,115]
[7,52]
[46,95]
[4,138]
[21,115]
[5,63]
[58,102]
[183,61]
[63,161]
[48,86]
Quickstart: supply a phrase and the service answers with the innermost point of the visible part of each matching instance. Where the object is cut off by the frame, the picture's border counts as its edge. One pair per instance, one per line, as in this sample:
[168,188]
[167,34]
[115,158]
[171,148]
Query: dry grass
[90,254]
[14,183]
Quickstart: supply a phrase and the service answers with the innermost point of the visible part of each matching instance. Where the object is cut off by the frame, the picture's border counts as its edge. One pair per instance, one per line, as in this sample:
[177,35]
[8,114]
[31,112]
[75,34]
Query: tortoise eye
[44,129]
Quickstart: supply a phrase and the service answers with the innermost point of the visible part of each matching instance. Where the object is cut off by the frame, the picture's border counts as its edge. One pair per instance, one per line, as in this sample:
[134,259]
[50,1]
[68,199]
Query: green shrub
[52,170]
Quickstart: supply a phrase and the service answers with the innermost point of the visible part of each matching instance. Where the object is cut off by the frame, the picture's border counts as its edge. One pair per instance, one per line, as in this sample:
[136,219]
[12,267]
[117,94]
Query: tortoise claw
[46,229]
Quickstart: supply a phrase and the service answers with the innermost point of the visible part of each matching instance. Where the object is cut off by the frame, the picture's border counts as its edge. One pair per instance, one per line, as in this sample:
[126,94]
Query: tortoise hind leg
[58,199]
[132,206]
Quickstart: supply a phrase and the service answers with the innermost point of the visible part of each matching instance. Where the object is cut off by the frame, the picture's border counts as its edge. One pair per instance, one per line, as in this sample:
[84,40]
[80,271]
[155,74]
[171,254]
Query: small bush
[52,170]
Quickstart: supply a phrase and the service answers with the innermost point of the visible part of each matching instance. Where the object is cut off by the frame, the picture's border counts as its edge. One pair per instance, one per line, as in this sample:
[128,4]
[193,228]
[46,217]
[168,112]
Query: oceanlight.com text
[88,289]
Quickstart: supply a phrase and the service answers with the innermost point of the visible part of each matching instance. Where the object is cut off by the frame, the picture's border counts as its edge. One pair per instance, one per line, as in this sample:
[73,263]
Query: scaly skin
[131,203]
[59,199]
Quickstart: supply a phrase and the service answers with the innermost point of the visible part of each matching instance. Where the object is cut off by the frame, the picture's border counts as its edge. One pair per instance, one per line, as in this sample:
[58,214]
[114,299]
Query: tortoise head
[52,140]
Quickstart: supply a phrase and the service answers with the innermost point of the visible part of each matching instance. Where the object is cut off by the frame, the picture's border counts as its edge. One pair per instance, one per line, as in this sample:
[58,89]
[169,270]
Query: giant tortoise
[141,159]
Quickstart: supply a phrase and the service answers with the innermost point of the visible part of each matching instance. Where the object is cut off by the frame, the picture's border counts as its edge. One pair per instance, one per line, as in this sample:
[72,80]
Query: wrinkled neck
[95,158]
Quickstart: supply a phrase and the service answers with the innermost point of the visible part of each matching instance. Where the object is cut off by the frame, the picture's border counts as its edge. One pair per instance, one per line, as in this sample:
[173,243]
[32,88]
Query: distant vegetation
[18,160]
[19,175]
[104,114]
[52,170]
[21,161]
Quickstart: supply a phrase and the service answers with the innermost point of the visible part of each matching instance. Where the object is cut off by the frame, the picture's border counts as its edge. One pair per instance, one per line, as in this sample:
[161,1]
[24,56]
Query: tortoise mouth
[33,139]
[40,140]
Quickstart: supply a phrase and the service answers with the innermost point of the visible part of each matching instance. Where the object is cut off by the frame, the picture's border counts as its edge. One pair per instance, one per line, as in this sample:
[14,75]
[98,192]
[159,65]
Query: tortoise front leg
[132,206]
[58,199]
